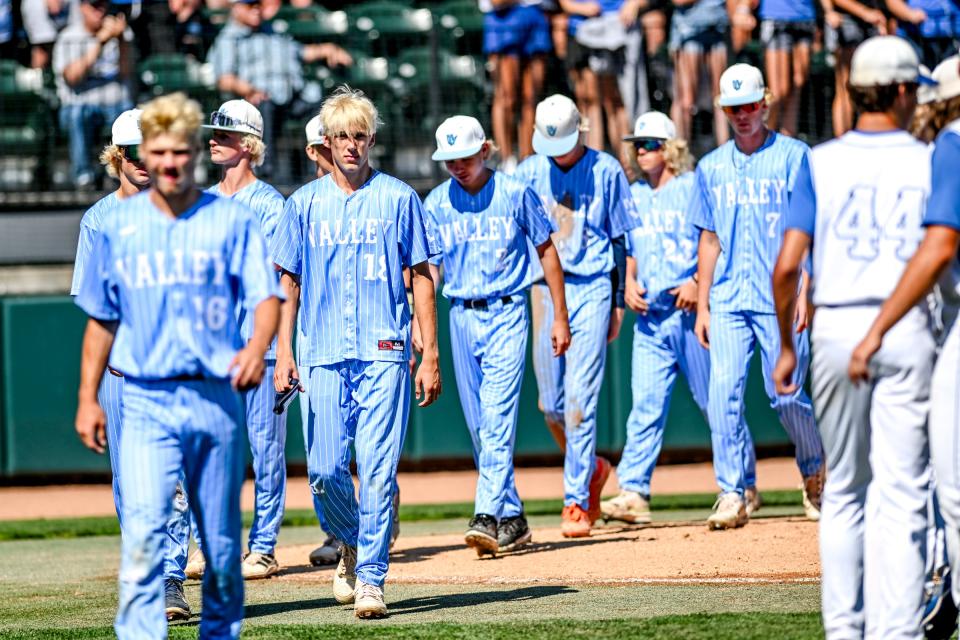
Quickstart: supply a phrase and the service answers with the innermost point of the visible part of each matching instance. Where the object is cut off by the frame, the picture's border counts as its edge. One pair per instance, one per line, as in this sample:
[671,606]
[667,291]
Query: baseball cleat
[326,554]
[513,533]
[175,602]
[940,613]
[752,500]
[196,565]
[482,535]
[368,601]
[256,566]
[599,478]
[813,494]
[345,579]
[629,506]
[395,519]
[575,523]
[729,512]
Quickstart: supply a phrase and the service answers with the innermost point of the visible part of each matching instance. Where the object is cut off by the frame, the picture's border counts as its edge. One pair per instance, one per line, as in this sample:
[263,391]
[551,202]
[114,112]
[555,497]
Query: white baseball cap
[556,127]
[237,115]
[741,84]
[884,60]
[314,131]
[126,129]
[947,76]
[926,93]
[459,137]
[653,124]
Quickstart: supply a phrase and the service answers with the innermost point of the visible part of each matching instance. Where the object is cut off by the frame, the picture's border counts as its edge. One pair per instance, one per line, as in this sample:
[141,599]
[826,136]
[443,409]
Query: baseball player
[342,243]
[935,261]
[483,221]
[856,207]
[742,192]
[166,272]
[316,151]
[122,161]
[588,199]
[661,287]
[236,145]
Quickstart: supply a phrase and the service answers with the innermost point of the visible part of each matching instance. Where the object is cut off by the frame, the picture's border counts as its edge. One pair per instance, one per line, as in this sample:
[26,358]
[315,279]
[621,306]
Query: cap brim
[310,143]
[635,138]
[926,80]
[735,101]
[456,154]
[553,147]
[233,129]
[128,142]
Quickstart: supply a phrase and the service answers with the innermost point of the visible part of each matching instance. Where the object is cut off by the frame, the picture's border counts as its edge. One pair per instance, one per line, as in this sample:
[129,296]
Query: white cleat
[752,500]
[629,506]
[368,601]
[345,579]
[729,512]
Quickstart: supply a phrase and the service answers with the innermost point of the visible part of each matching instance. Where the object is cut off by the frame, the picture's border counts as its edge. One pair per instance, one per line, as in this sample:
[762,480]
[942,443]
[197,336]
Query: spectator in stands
[633,78]
[932,26]
[174,26]
[848,23]
[698,34]
[94,70]
[266,69]
[43,20]
[742,24]
[595,59]
[516,40]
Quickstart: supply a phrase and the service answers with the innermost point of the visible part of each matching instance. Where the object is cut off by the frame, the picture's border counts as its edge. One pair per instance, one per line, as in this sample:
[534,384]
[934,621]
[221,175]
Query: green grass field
[58,580]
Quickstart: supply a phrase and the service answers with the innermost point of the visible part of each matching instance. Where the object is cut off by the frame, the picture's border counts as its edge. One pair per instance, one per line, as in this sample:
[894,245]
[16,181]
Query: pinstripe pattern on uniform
[570,385]
[365,404]
[484,239]
[193,426]
[89,228]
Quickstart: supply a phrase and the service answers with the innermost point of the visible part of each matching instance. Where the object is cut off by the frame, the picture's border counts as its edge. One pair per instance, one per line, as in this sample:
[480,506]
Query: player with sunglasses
[739,203]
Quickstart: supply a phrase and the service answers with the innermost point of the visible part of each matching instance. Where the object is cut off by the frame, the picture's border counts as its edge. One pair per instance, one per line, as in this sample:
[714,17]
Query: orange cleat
[599,478]
[575,522]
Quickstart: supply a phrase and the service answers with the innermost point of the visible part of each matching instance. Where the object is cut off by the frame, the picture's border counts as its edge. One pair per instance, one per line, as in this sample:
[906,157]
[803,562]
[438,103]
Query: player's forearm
[97,342]
[553,276]
[899,9]
[425,297]
[619,273]
[288,314]
[785,281]
[708,251]
[265,319]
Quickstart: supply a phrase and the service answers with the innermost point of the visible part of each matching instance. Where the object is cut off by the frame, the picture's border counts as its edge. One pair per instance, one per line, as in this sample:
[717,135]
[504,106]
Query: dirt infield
[775,550]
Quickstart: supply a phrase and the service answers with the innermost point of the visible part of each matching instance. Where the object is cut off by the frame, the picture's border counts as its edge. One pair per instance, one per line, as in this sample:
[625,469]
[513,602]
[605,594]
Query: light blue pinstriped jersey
[744,200]
[89,228]
[267,203]
[350,251]
[484,236]
[665,245]
[173,284]
[589,204]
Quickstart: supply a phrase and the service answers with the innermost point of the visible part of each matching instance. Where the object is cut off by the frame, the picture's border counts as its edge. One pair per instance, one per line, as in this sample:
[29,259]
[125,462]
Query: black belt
[482,303]
[183,377]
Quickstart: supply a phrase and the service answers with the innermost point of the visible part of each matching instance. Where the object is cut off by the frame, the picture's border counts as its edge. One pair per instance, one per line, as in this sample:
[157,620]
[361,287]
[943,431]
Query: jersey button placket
[349,293]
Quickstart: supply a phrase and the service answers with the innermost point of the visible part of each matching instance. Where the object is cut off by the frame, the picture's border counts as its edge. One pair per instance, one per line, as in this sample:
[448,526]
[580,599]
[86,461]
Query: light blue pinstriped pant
[569,386]
[663,343]
[194,426]
[367,404]
[489,353]
[267,435]
[110,396]
[733,336]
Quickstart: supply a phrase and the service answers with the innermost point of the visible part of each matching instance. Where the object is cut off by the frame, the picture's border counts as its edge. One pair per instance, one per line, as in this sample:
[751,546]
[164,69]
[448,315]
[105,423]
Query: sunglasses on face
[651,144]
[131,153]
[752,107]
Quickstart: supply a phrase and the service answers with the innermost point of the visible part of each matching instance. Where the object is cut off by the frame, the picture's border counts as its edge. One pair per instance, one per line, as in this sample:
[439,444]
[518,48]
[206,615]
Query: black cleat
[513,533]
[482,535]
[940,615]
[176,603]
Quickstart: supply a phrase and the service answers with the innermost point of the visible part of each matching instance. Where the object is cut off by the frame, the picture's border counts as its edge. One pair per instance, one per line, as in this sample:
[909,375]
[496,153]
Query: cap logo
[551,130]
[737,84]
[642,125]
[451,138]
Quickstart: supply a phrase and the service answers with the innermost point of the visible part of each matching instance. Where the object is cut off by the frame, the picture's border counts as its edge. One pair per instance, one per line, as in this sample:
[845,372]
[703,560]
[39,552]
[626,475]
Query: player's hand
[801,317]
[616,321]
[255,97]
[560,336]
[686,295]
[633,295]
[416,338]
[783,372]
[334,56]
[427,383]
[285,369]
[112,27]
[628,13]
[702,328]
[859,368]
[247,368]
[412,363]
[91,424]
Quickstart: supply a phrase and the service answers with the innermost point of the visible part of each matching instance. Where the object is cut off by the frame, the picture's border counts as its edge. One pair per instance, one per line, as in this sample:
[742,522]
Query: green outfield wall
[40,352]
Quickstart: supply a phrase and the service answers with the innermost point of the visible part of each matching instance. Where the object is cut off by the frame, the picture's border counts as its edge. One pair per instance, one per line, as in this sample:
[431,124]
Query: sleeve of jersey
[272,208]
[432,225]
[251,264]
[533,219]
[699,212]
[98,289]
[286,245]
[623,214]
[802,212]
[84,248]
[943,207]
[417,243]
[794,168]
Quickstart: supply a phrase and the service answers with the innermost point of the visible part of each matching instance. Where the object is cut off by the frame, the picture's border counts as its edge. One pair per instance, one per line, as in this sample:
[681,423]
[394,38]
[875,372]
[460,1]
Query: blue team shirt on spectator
[744,200]
[350,251]
[172,285]
[267,206]
[665,245]
[483,237]
[589,205]
[89,229]
[943,19]
[606,6]
[943,207]
[788,10]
